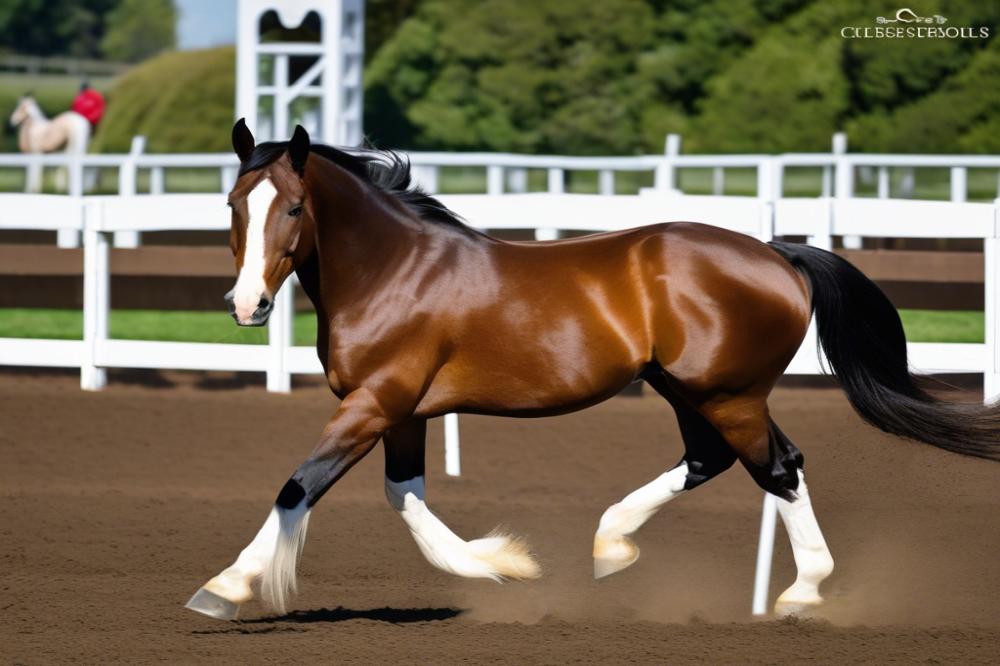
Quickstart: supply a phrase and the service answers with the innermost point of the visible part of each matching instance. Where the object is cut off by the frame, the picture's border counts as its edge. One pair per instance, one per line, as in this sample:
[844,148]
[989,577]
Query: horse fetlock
[817,567]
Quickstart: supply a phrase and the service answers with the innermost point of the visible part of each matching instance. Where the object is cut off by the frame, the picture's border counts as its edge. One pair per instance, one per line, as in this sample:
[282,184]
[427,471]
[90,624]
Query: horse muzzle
[259,316]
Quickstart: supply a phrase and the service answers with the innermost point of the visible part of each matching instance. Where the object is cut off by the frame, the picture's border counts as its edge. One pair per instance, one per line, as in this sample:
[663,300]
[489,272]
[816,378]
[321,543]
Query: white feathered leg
[613,549]
[812,557]
[497,556]
[272,557]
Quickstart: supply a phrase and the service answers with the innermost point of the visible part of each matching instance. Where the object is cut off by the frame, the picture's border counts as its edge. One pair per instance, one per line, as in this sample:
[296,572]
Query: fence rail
[99,218]
[842,173]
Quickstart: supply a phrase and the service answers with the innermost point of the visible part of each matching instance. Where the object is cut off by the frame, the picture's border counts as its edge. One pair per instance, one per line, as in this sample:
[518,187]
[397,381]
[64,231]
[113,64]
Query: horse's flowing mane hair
[384,170]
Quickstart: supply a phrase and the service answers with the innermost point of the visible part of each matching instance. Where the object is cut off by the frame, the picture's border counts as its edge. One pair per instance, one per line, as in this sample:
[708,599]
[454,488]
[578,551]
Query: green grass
[920,325]
[943,325]
[173,326]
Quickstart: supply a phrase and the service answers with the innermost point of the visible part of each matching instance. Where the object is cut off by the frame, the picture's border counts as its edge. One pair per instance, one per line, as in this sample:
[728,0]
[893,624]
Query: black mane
[384,170]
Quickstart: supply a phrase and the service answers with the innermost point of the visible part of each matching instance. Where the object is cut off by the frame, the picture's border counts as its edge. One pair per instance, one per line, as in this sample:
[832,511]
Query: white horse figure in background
[38,134]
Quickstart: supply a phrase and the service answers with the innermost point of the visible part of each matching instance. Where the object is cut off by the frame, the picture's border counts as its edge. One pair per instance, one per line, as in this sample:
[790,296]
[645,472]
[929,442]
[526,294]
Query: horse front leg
[497,556]
[272,556]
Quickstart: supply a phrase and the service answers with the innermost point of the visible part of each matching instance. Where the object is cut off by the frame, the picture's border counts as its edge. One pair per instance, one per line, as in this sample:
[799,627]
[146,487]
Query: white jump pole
[452,460]
[765,552]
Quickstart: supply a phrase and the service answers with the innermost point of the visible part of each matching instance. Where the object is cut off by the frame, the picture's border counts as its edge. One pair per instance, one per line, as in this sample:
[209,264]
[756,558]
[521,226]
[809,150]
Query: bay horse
[419,315]
[36,133]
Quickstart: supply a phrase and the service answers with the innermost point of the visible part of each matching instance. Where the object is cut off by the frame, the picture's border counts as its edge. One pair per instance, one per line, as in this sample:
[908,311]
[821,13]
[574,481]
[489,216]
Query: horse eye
[295,212]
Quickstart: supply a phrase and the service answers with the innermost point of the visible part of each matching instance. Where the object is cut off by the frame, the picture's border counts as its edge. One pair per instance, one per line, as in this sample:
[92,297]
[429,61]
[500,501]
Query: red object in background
[90,104]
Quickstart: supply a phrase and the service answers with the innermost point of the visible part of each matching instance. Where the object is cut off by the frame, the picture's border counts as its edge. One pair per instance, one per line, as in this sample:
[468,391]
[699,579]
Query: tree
[54,27]
[959,116]
[137,29]
[514,75]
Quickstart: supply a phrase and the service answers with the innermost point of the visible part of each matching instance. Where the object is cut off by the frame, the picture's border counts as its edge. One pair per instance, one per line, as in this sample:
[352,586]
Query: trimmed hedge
[182,102]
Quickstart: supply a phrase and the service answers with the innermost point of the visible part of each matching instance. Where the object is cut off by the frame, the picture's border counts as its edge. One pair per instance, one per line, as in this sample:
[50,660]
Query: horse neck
[307,272]
[358,230]
[34,113]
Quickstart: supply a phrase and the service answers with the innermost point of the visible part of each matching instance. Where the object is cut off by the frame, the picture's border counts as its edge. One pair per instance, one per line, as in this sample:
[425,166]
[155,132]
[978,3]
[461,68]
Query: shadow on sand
[340,614]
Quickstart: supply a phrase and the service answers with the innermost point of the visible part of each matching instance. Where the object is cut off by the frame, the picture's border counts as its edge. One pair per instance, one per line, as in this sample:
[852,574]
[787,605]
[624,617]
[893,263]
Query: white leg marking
[812,557]
[497,556]
[250,283]
[613,550]
[272,557]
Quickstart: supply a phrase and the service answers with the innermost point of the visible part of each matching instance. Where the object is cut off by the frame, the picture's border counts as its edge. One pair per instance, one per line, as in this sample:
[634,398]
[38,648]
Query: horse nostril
[263,303]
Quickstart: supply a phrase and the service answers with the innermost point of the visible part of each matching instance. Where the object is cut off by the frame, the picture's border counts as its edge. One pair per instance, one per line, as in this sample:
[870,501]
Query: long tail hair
[863,338]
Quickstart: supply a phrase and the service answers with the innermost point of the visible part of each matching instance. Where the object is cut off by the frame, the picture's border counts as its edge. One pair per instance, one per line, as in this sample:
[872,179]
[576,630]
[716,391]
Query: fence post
[557,181]
[280,329]
[991,246]
[494,179]
[606,182]
[665,178]
[517,180]
[426,177]
[718,181]
[556,186]
[959,188]
[767,181]
[127,186]
[227,178]
[69,238]
[34,174]
[157,183]
[844,181]
[452,457]
[765,551]
[883,182]
[96,297]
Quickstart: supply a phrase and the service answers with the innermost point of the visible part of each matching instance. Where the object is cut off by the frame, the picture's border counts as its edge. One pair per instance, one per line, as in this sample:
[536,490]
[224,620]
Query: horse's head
[26,108]
[271,229]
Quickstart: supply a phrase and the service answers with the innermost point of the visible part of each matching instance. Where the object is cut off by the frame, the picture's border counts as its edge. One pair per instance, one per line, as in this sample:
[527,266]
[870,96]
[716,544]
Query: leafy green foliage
[137,29]
[616,76]
[181,101]
[530,76]
[961,116]
[54,27]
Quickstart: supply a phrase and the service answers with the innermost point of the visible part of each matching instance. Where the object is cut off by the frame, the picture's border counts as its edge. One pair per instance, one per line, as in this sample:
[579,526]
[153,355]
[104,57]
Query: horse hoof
[212,605]
[611,556]
[798,608]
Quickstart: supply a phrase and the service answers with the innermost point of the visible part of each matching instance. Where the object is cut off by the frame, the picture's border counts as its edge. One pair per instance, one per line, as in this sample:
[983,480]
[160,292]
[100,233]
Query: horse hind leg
[706,455]
[497,556]
[776,465]
[813,561]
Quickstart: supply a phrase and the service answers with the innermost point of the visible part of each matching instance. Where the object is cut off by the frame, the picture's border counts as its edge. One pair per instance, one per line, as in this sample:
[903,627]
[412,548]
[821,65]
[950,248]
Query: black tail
[864,342]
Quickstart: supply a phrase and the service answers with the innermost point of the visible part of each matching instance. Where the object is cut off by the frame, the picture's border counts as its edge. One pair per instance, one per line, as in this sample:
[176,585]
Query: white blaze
[250,283]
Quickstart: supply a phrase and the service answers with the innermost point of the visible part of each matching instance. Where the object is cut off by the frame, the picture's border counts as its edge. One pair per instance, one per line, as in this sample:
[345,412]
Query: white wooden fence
[99,219]
[841,172]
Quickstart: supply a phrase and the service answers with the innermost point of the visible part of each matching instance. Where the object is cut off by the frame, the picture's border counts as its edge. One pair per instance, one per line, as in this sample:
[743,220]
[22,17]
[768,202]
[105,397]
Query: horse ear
[298,149]
[243,142]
